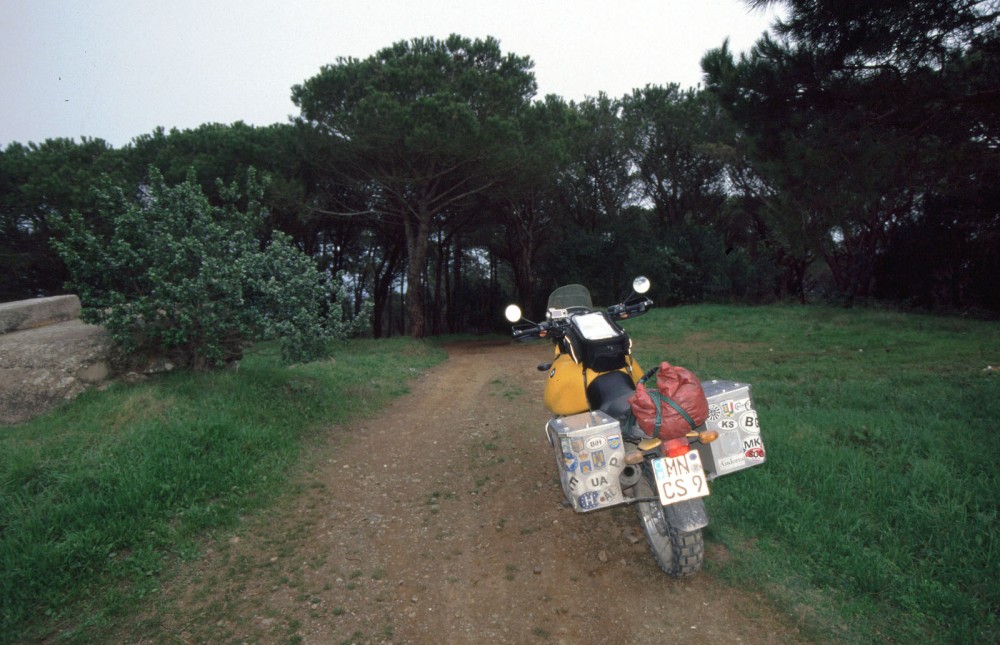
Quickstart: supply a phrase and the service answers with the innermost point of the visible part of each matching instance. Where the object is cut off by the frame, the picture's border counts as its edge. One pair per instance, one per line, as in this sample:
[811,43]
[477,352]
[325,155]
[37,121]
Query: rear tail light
[676,448]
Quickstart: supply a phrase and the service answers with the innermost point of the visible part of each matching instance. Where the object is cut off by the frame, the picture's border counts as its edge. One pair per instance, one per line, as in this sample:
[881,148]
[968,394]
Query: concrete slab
[37,312]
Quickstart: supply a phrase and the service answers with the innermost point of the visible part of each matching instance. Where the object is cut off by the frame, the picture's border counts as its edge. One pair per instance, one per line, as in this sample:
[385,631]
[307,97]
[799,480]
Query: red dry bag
[676,407]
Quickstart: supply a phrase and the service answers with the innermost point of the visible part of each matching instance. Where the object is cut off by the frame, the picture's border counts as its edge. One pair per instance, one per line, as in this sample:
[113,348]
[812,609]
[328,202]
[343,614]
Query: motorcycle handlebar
[625,310]
[532,330]
[555,328]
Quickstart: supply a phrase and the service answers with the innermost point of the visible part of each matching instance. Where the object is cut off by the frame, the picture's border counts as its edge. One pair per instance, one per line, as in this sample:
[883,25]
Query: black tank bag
[596,341]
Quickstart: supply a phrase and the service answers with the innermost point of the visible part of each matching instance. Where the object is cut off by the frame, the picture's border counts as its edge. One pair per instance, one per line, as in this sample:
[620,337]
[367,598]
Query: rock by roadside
[42,366]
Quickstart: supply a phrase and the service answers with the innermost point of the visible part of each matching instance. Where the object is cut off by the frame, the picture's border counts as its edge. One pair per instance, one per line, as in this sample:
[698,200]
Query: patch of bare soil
[441,521]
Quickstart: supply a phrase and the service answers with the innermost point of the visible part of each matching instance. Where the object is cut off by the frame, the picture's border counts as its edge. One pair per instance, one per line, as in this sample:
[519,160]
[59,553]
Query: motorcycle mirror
[641,284]
[512,313]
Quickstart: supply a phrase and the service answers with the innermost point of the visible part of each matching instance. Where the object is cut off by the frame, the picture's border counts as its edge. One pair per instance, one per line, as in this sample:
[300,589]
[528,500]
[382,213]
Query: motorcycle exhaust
[629,476]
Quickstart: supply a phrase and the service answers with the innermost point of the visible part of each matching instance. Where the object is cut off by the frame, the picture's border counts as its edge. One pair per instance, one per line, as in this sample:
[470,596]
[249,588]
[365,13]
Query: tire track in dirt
[441,521]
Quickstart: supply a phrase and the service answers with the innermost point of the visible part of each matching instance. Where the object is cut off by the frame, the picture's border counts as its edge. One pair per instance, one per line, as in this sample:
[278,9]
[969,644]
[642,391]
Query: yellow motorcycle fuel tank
[566,387]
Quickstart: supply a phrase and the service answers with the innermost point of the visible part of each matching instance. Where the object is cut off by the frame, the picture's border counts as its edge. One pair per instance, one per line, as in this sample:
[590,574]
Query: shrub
[170,274]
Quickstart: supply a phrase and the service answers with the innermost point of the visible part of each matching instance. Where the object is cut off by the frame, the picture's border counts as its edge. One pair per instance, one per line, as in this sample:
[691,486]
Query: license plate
[680,478]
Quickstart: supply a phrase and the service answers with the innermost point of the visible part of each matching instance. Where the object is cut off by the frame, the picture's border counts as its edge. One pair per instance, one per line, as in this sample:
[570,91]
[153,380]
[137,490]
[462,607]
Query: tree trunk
[456,308]
[439,286]
[525,273]
[417,238]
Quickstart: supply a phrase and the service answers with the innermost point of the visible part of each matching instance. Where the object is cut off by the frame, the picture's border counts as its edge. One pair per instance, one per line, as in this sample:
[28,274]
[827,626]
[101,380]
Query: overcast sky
[116,69]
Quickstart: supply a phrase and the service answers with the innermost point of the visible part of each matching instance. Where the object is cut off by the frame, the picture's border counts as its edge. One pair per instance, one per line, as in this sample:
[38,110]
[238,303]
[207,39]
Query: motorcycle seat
[610,392]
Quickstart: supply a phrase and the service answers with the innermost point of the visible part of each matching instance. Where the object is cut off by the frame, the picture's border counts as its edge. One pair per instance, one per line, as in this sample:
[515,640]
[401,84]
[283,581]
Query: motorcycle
[604,457]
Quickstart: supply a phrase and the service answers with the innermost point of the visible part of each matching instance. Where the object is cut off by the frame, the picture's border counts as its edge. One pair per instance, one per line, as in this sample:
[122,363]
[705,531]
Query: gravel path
[441,521]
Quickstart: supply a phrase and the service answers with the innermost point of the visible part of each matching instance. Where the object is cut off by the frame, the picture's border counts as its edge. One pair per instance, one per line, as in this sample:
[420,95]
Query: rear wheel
[679,553]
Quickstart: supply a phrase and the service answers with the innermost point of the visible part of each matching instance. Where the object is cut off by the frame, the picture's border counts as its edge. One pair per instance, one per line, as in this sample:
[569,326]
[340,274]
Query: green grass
[875,518]
[98,495]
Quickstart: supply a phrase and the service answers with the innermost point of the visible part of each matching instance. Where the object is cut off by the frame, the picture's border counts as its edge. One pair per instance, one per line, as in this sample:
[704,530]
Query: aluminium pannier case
[732,414]
[590,456]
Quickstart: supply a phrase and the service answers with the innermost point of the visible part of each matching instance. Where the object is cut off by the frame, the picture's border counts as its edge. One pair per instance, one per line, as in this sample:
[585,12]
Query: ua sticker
[598,481]
[614,442]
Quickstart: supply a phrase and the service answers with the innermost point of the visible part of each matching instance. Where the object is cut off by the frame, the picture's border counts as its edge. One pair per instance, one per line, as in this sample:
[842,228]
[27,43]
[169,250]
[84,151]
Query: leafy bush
[170,274]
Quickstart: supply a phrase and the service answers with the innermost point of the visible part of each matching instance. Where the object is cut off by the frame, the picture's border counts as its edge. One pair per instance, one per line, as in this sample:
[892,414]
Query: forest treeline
[852,155]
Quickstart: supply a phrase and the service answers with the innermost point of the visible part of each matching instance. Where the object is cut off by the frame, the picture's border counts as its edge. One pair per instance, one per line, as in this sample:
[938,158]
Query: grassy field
[96,497]
[875,516]
[873,520]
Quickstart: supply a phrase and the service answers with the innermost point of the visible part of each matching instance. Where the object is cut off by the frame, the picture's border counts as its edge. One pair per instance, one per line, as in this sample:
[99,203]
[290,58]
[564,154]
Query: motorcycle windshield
[572,295]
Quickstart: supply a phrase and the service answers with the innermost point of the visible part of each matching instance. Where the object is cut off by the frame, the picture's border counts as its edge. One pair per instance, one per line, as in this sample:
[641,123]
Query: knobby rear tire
[679,553]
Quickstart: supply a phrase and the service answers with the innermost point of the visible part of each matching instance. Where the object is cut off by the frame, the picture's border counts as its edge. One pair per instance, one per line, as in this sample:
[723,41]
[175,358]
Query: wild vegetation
[179,278]
[851,155]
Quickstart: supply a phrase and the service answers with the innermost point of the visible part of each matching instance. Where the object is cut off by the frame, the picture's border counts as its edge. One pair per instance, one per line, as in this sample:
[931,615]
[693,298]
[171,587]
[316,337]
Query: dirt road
[441,521]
